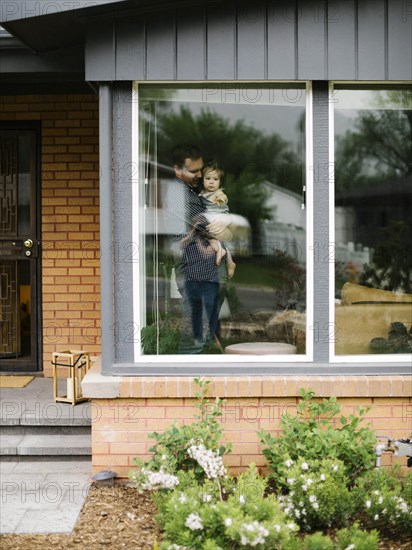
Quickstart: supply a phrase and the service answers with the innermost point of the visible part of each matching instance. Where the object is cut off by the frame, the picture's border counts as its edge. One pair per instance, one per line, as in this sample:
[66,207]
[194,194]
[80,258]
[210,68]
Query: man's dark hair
[185,151]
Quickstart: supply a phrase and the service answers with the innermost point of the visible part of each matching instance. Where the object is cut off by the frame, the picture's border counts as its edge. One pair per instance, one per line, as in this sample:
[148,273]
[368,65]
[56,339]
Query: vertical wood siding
[264,39]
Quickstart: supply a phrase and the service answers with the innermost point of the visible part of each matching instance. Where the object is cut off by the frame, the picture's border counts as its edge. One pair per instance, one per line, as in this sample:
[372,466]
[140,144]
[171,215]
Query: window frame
[117,105]
[229,360]
[334,358]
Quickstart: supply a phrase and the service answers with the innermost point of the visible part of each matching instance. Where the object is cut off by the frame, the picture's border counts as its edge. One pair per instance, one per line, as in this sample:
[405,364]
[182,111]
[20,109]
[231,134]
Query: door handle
[28,243]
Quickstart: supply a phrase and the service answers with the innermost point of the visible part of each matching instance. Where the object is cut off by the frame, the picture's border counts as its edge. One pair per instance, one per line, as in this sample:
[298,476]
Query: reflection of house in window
[371,207]
[363,211]
[286,230]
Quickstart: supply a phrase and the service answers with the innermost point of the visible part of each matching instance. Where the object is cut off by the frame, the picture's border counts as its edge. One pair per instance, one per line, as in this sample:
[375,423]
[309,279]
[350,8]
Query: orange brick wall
[120,427]
[70,216]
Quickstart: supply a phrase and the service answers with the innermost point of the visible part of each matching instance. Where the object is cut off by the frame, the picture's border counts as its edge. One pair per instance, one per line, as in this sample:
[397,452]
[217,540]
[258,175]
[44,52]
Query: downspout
[106,225]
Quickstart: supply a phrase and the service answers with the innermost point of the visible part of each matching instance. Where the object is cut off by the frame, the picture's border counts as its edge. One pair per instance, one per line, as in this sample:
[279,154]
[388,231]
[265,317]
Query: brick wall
[70,216]
[120,426]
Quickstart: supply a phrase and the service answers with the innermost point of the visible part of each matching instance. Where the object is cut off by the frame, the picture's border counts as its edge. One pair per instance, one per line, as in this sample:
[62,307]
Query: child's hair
[213,165]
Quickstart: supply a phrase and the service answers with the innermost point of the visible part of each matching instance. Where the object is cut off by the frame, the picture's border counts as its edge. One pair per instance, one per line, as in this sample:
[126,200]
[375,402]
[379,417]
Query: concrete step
[45,412]
[41,444]
[43,429]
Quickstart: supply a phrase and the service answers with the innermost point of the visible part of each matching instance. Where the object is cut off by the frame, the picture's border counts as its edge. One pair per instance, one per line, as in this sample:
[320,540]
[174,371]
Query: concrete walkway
[42,497]
[43,481]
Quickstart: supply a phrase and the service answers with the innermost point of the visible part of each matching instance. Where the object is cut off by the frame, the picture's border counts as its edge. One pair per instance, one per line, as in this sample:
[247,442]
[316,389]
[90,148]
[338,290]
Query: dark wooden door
[19,250]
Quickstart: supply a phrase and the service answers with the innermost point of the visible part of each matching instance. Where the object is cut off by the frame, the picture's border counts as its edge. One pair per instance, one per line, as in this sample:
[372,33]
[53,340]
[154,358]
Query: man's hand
[219,229]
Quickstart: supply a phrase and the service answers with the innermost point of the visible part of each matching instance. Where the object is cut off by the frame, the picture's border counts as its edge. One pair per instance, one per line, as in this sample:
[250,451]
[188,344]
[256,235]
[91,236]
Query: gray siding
[282,40]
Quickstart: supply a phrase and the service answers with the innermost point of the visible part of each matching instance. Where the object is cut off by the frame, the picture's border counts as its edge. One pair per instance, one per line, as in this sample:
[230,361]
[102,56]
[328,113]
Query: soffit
[66,28]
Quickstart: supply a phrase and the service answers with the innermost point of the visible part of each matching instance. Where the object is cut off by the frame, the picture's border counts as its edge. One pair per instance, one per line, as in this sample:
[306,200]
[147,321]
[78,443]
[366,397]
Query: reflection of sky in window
[274,119]
[266,108]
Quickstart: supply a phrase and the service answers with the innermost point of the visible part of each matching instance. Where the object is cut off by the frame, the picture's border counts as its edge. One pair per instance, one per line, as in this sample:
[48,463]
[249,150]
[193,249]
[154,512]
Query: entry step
[45,444]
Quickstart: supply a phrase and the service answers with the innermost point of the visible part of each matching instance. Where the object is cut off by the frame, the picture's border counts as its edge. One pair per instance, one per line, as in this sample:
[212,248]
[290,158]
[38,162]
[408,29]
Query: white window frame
[333,357]
[227,360]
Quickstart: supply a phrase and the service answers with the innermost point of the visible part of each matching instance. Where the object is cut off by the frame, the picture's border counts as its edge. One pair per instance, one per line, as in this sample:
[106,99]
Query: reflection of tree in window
[248,155]
[374,180]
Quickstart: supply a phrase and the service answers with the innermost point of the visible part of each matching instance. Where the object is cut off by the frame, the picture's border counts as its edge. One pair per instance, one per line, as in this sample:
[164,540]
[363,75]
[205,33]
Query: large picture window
[222,221]
[373,224]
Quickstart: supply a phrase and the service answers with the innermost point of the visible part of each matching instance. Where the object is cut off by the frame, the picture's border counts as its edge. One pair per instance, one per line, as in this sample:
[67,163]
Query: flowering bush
[317,495]
[197,518]
[315,433]
[201,507]
[381,501]
[171,450]
[353,538]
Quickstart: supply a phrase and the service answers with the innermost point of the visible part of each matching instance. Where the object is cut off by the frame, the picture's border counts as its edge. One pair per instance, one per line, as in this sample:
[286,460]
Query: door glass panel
[373,232]
[256,138]
[9,311]
[24,176]
[18,250]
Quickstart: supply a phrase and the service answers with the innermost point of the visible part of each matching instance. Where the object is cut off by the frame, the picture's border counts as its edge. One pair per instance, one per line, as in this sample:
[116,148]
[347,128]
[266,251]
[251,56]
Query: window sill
[95,385]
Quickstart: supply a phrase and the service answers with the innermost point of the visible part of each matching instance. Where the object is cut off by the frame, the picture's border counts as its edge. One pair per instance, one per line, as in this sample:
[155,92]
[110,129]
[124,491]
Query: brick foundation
[140,406]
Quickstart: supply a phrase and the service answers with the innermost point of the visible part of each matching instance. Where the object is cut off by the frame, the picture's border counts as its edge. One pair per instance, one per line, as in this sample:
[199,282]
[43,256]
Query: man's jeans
[200,304]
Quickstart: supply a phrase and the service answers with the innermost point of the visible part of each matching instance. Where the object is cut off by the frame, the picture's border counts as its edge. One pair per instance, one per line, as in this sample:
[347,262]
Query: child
[215,202]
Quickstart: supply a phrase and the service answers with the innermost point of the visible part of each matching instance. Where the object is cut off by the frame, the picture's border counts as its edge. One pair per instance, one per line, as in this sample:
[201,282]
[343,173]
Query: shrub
[353,538]
[318,496]
[171,450]
[197,518]
[317,432]
[380,500]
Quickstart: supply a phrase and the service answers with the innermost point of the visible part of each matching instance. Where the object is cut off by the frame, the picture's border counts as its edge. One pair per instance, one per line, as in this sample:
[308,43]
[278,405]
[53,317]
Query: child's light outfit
[215,203]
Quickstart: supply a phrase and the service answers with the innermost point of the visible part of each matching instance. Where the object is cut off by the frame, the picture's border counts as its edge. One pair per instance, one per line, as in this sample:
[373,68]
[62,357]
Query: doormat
[15,381]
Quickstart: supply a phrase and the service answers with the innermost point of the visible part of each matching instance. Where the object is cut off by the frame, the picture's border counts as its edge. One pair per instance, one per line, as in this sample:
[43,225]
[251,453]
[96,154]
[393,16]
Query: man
[194,250]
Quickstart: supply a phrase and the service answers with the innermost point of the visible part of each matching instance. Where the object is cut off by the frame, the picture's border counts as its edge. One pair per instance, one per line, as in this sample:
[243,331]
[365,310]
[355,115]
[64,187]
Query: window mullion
[322,248]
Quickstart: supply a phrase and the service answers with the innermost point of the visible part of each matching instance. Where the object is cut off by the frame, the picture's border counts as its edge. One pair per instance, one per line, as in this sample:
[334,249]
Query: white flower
[242,499]
[182,498]
[402,505]
[312,498]
[158,480]
[291,526]
[297,513]
[350,547]
[309,481]
[207,498]
[253,534]
[210,461]
[290,480]
[305,487]
[288,463]
[335,467]
[305,466]
[368,504]
[380,500]
[322,477]
[376,517]
[228,522]
[277,528]
[315,505]
[194,522]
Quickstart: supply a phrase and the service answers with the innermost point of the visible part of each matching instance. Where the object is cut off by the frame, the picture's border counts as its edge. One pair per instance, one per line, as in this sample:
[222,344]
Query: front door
[19,250]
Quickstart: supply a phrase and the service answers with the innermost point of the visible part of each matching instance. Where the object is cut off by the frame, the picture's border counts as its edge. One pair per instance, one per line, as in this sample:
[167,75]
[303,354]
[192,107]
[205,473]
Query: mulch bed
[114,518]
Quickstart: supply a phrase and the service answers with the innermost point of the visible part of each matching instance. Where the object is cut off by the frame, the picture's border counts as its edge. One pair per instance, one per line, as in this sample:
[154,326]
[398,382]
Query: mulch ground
[115,518]
[112,518]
